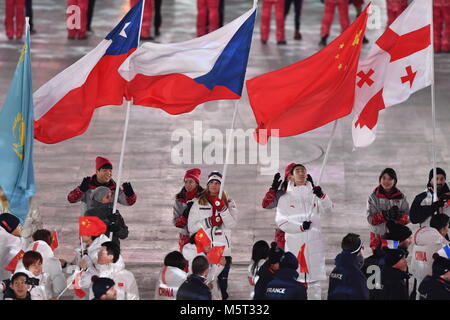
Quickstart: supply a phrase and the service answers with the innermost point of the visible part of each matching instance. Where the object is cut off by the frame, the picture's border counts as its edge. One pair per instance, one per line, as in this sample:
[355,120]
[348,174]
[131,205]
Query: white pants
[314,290]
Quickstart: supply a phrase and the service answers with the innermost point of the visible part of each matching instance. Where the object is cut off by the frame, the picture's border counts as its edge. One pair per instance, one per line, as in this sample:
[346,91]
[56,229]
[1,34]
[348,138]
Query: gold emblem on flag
[357,38]
[19,126]
[22,54]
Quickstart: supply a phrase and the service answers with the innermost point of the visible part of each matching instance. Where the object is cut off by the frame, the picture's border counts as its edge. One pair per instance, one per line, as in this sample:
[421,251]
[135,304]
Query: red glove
[219,205]
[181,222]
[215,221]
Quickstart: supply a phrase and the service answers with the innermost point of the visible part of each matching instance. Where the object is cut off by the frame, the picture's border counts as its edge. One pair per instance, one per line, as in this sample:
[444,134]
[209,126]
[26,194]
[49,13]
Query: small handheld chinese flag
[55,242]
[14,261]
[201,240]
[215,254]
[91,226]
[76,287]
[302,260]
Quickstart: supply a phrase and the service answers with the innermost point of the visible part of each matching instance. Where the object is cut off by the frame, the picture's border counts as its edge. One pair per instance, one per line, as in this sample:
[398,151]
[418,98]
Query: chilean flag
[63,107]
[177,77]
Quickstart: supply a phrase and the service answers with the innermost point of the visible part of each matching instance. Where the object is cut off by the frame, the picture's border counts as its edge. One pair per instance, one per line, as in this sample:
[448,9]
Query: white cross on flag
[397,65]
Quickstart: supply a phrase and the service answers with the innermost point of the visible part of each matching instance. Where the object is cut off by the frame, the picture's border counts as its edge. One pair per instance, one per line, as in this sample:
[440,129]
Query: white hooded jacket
[125,283]
[427,241]
[56,282]
[292,210]
[170,279]
[9,247]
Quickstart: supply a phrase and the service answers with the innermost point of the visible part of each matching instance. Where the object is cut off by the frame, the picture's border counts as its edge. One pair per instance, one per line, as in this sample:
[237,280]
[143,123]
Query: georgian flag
[398,64]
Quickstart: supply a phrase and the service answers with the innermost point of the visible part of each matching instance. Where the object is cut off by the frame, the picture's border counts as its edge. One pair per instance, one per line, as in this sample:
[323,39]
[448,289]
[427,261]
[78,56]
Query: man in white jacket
[427,241]
[110,265]
[301,223]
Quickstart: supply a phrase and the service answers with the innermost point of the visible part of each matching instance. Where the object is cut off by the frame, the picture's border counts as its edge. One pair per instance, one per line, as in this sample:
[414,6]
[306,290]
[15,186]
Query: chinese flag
[302,260]
[201,240]
[55,242]
[215,254]
[77,290]
[14,261]
[91,226]
[310,93]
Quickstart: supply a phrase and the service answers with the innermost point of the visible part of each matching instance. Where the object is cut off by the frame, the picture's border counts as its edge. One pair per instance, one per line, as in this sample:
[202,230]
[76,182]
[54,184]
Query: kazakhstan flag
[16,138]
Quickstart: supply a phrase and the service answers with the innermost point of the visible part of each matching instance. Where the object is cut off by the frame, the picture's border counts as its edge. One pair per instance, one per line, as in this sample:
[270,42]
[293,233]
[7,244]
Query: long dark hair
[260,251]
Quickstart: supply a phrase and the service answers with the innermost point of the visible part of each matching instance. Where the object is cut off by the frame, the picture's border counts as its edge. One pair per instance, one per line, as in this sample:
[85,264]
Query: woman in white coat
[217,217]
[302,229]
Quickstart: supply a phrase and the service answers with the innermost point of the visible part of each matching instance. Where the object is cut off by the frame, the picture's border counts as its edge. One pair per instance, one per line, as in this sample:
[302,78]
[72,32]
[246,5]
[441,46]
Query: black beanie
[438,171]
[9,222]
[393,256]
[441,265]
[275,253]
[101,285]
[289,261]
[397,232]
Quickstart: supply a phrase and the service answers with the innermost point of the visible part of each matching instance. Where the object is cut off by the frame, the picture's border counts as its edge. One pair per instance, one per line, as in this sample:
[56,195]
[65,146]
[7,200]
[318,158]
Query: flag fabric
[77,290]
[398,64]
[215,254]
[302,259]
[201,240]
[391,244]
[64,105]
[177,77]
[73,283]
[16,138]
[310,93]
[14,261]
[55,242]
[91,226]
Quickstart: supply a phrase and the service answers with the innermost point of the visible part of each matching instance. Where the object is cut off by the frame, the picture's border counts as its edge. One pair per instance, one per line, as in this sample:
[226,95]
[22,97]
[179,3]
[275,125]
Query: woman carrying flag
[217,216]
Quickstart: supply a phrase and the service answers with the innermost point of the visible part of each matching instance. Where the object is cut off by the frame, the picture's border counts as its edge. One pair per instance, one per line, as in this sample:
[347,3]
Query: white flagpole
[324,163]
[230,137]
[124,139]
[433,106]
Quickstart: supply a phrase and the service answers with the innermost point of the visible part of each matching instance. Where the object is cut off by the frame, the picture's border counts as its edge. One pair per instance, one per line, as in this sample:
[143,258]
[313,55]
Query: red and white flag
[398,64]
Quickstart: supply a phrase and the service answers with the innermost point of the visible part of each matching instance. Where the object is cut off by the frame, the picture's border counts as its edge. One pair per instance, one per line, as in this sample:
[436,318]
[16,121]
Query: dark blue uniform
[194,288]
[434,288]
[265,275]
[285,286]
[395,284]
[347,281]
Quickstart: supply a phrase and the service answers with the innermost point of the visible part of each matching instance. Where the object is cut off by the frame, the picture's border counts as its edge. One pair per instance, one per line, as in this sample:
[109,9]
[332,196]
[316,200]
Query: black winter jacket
[347,281]
[285,286]
[194,288]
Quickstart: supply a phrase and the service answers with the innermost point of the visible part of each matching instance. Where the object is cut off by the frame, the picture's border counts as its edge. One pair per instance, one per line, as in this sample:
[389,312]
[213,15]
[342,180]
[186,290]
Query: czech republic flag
[177,77]
[63,107]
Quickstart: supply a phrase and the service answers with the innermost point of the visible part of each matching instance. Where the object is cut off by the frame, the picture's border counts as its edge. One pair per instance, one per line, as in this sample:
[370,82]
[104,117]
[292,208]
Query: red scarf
[191,194]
